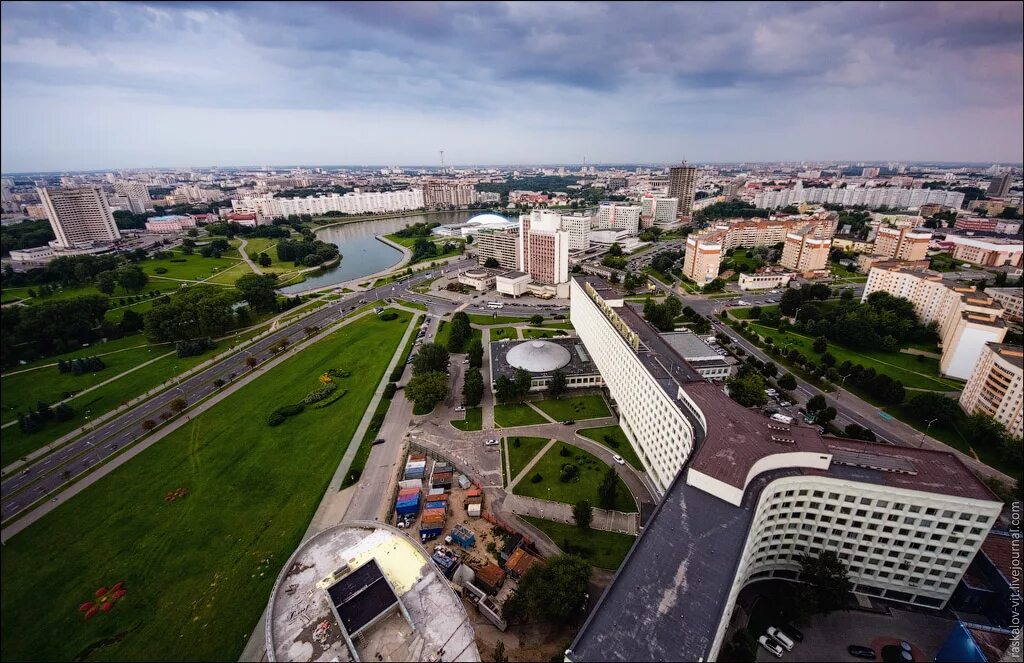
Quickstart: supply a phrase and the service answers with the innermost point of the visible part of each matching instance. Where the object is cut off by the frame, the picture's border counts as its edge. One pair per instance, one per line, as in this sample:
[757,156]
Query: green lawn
[575,407]
[605,550]
[667,279]
[195,267]
[257,245]
[231,274]
[617,442]
[410,242]
[445,330]
[744,313]
[511,415]
[501,333]
[520,456]
[366,444]
[485,320]
[543,333]
[101,400]
[474,420]
[591,471]
[415,305]
[953,436]
[198,570]
[906,368]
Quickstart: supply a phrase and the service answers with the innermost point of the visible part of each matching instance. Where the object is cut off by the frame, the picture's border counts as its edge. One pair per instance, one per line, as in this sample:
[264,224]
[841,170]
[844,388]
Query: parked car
[785,404]
[770,645]
[619,460]
[569,422]
[491,443]
[858,651]
[793,632]
[460,408]
[379,440]
[781,638]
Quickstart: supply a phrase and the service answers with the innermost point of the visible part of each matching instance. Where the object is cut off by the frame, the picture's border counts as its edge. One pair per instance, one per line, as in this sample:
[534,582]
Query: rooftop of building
[541,357]
[1009,292]
[512,274]
[1000,550]
[1014,354]
[690,346]
[371,576]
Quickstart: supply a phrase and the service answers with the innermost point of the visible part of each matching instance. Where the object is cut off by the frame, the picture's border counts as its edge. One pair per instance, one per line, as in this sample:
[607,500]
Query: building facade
[986,251]
[658,211]
[617,216]
[444,194]
[987,225]
[682,184]
[502,245]
[376,202]
[805,253]
[173,223]
[999,185]
[543,247]
[1012,300]
[703,257]
[873,198]
[79,216]
[578,227]
[996,387]
[901,243]
[137,194]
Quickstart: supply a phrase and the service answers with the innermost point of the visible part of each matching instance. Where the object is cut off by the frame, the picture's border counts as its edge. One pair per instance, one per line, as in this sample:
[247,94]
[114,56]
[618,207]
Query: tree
[583,514]
[194,312]
[983,430]
[432,358]
[106,282]
[132,278]
[608,490]
[148,424]
[492,263]
[264,260]
[826,415]
[827,579]
[791,301]
[820,344]
[473,388]
[131,322]
[557,386]
[615,250]
[251,362]
[459,332]
[427,389]
[747,389]
[476,353]
[553,592]
[816,403]
[930,405]
[504,389]
[499,649]
[258,291]
[536,319]
[787,382]
[523,380]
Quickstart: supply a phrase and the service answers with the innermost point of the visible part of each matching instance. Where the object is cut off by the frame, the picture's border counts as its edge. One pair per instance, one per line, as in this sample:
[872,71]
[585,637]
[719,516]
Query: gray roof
[690,346]
[538,356]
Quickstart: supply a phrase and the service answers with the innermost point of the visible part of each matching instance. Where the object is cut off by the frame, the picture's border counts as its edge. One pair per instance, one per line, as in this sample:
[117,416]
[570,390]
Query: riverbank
[391,215]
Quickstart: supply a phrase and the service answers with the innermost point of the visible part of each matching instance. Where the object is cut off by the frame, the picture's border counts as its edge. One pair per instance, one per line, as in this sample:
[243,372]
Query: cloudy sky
[175,84]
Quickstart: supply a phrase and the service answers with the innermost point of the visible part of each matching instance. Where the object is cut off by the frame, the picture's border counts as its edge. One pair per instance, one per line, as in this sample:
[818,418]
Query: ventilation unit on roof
[782,440]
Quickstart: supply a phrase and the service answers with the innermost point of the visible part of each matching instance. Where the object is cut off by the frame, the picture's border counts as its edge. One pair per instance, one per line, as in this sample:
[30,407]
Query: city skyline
[116,86]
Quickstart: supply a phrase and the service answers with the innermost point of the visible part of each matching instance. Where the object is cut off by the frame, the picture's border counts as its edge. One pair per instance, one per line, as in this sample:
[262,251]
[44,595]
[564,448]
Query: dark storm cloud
[526,70]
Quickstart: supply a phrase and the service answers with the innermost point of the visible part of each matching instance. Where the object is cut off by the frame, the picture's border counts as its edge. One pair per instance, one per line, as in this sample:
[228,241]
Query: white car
[491,443]
[619,460]
[781,638]
[770,645]
[460,408]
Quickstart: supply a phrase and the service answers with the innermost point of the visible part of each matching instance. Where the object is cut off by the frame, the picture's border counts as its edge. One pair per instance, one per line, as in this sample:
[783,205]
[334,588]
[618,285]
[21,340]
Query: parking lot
[826,637]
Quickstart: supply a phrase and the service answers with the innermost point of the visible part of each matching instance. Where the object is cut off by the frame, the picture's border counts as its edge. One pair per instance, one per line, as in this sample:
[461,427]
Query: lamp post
[925,432]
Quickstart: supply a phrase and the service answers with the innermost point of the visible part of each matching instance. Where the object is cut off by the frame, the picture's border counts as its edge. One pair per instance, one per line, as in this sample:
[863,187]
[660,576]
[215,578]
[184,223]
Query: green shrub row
[318,395]
[280,414]
[337,396]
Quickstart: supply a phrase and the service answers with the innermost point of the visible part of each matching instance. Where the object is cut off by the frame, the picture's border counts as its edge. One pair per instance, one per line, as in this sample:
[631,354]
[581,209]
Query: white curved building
[746,496]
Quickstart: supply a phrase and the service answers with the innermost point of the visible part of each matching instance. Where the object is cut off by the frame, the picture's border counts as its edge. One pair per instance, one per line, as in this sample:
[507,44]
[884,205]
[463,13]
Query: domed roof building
[538,356]
[542,357]
[485,221]
[489,219]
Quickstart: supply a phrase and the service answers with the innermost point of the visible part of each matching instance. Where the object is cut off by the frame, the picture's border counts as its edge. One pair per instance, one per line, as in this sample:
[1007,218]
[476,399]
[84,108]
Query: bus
[495,305]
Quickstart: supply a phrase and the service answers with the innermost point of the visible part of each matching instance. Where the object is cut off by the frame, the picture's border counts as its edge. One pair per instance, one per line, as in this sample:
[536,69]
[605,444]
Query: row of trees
[663,315]
[429,383]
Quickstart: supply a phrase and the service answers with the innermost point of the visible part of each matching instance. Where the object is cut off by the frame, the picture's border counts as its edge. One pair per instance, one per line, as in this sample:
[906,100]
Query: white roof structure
[538,356]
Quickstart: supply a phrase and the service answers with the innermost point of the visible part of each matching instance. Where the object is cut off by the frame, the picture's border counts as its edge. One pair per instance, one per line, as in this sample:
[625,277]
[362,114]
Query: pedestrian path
[529,466]
[541,412]
[560,512]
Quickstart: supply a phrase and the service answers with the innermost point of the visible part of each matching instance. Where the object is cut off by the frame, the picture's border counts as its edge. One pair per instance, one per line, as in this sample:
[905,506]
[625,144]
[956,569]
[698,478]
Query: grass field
[445,330]
[953,436]
[575,407]
[486,320]
[198,570]
[501,333]
[520,456]
[743,313]
[511,415]
[591,471]
[544,333]
[474,420]
[195,267]
[605,550]
[619,443]
[231,274]
[415,305]
[101,400]
[410,242]
[906,368]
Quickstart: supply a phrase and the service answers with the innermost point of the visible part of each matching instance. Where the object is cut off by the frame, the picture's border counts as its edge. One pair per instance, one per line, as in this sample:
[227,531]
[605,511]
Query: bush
[388,315]
[516,443]
[569,474]
[194,347]
[536,478]
[160,270]
[564,452]
[319,394]
[389,390]
[396,374]
[280,414]
[337,395]
[275,418]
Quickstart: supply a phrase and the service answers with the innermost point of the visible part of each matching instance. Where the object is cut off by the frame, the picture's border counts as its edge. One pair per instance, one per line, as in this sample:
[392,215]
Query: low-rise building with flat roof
[542,357]
[708,362]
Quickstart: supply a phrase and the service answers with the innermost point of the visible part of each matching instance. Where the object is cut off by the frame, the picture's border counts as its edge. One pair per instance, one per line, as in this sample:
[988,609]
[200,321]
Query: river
[362,253]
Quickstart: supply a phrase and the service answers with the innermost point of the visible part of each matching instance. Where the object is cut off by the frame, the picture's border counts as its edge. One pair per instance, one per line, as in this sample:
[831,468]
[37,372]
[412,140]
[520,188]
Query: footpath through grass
[582,487]
[605,550]
[198,569]
[576,407]
[474,420]
[613,438]
[519,456]
[511,415]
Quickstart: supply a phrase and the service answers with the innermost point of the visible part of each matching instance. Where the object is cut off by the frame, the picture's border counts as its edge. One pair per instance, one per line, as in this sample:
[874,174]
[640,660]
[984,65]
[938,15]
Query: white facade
[349,203]
[514,284]
[655,426]
[137,193]
[578,227]
[873,197]
[996,387]
[764,281]
[658,211]
[79,216]
[618,216]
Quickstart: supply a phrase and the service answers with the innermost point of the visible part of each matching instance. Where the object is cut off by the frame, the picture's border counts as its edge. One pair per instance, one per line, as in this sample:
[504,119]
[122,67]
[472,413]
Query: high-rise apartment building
[1012,300]
[902,243]
[871,197]
[869,172]
[543,248]
[79,216]
[967,318]
[441,194]
[137,193]
[369,202]
[999,186]
[617,216]
[501,244]
[996,386]
[657,211]
[703,257]
[578,227]
[682,184]
[804,252]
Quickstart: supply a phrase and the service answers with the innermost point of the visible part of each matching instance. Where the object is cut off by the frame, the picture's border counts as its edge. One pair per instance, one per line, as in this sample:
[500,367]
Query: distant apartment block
[502,245]
[996,386]
[376,202]
[873,197]
[442,194]
[984,224]
[901,243]
[703,257]
[999,185]
[657,211]
[682,184]
[137,194]
[617,216]
[967,319]
[1012,300]
[987,251]
[79,216]
[805,253]
[578,226]
[173,223]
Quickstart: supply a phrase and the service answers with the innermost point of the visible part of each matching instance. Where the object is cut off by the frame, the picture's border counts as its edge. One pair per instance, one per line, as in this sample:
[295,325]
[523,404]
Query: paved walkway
[514,481]
[248,261]
[560,512]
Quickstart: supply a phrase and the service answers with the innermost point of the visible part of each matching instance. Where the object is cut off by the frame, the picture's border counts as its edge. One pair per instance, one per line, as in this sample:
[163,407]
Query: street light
[925,432]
